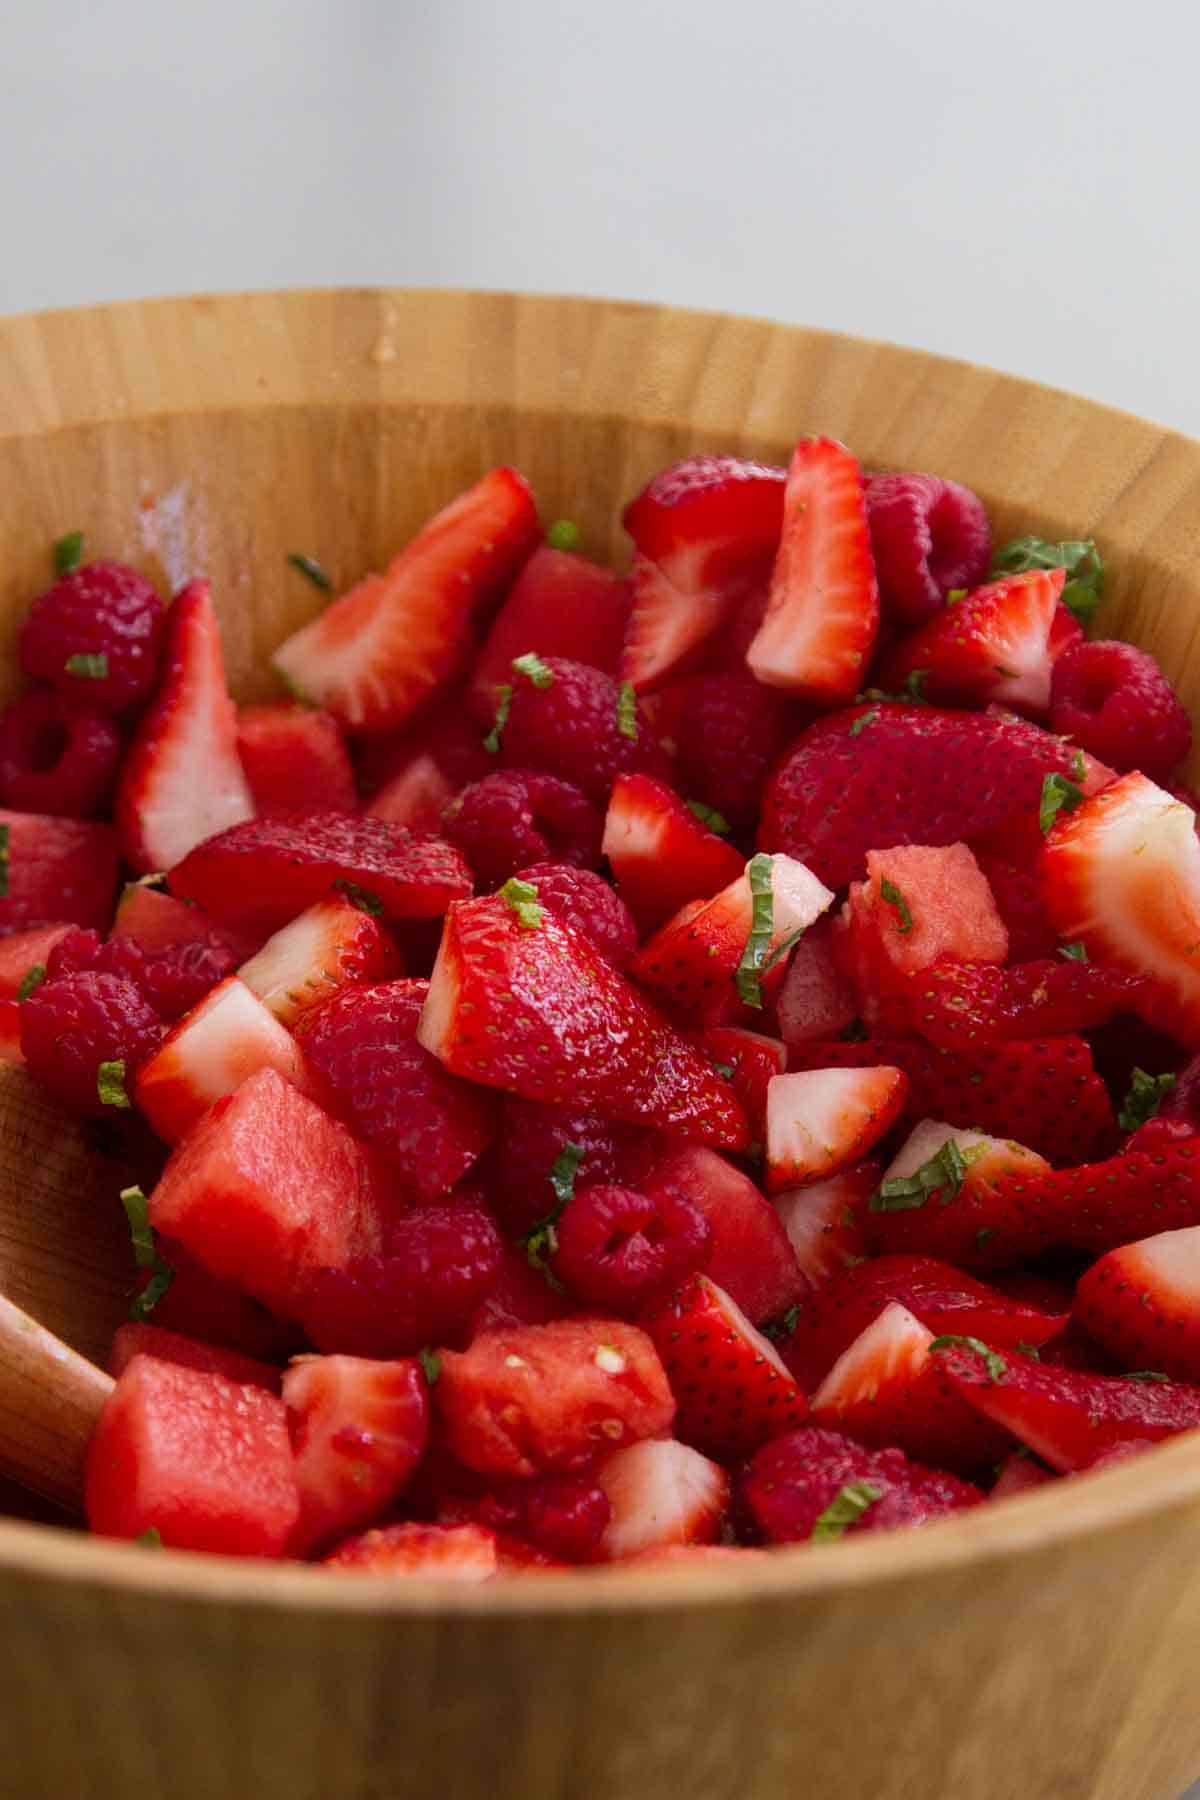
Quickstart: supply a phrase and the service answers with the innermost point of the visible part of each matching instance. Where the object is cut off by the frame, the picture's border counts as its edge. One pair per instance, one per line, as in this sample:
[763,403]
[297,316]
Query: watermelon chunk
[188,1353]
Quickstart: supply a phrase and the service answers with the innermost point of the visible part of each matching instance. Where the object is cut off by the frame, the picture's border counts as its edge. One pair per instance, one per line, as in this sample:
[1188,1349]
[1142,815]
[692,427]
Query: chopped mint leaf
[431,1362]
[503,703]
[708,815]
[110,1084]
[542,1240]
[759,872]
[1029,1350]
[784,947]
[563,1171]
[361,897]
[1058,795]
[143,1304]
[849,1504]
[3,861]
[862,721]
[534,669]
[68,552]
[32,979]
[1078,556]
[92,668]
[725,1070]
[627,723]
[1147,1375]
[564,534]
[308,565]
[914,684]
[997,1368]
[1073,952]
[150,1539]
[522,896]
[783,1326]
[1144,1098]
[854,1033]
[955,595]
[890,894]
[1078,765]
[145,1254]
[944,1173]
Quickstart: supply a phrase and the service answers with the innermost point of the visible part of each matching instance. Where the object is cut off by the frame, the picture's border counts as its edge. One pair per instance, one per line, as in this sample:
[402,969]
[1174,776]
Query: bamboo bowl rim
[1161,1481]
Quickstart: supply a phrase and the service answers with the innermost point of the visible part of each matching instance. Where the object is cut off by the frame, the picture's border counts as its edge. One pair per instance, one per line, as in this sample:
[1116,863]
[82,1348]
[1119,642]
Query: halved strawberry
[358,1430]
[182,779]
[823,1120]
[752,1059]
[959,1002]
[732,1389]
[559,605]
[661,1493]
[825,1221]
[660,852]
[1019,1473]
[295,759]
[377,653]
[209,1053]
[1066,1416]
[823,607]
[815,999]
[140,1339]
[886,1389]
[56,869]
[705,531]
[437,1552]
[749,1255]
[534,1008]
[959,1195]
[332,945]
[1142,1302]
[1121,875]
[817,1485]
[996,643]
[24,951]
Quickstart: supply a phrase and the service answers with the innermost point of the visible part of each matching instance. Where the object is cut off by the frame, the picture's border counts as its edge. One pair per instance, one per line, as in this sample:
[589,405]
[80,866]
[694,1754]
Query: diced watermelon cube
[56,869]
[23,951]
[188,1353]
[295,759]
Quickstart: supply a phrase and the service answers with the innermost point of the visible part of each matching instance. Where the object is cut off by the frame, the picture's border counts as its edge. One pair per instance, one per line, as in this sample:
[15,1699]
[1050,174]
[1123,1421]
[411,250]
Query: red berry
[571,727]
[1116,703]
[72,1025]
[55,758]
[928,537]
[531,1138]
[100,610]
[173,979]
[618,1248]
[726,730]
[586,900]
[519,816]
[564,1515]
[788,1486]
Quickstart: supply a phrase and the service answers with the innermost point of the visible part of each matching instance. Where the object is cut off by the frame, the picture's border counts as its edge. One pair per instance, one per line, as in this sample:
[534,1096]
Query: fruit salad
[630,1068]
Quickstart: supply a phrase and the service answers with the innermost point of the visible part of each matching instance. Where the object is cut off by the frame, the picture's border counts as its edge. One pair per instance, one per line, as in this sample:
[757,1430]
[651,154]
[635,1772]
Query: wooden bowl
[1040,1648]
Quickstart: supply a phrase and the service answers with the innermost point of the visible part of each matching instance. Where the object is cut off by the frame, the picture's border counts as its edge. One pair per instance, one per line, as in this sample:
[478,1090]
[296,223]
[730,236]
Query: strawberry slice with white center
[374,655]
[182,779]
[358,1430]
[1142,1302]
[661,1493]
[825,1221]
[823,607]
[438,1552]
[1121,875]
[998,643]
[823,1120]
[328,947]
[705,531]
[961,1196]
[731,1387]
[209,1053]
[661,853]
[414,796]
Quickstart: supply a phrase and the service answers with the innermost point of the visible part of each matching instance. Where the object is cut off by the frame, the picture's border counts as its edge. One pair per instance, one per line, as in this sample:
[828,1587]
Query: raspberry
[72,1025]
[586,901]
[571,728]
[439,1261]
[173,979]
[390,1091]
[531,1138]
[101,610]
[520,816]
[726,731]
[788,1484]
[928,537]
[618,1248]
[1116,703]
[55,758]
[564,1515]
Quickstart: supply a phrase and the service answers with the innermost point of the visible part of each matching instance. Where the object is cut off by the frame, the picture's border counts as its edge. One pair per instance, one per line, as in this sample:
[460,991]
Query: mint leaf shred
[1058,795]
[955,595]
[92,668]
[862,721]
[110,1084]
[68,553]
[361,897]
[564,534]
[150,1539]
[1078,765]
[708,815]
[997,1368]
[1145,1096]
[145,1254]
[943,1173]
[522,897]
[1073,952]
[491,742]
[431,1363]
[759,873]
[534,669]
[541,1241]
[1078,556]
[310,567]
[890,894]
[783,1326]
[627,724]
[31,980]
[1147,1375]
[846,1507]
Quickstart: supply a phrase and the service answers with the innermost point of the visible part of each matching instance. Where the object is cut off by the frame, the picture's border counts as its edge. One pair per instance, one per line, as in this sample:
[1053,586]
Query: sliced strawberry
[24,951]
[209,1053]
[697,963]
[749,1254]
[55,869]
[958,1195]
[295,759]
[377,653]
[957,1003]
[534,1008]
[1019,1473]
[437,1552]
[818,1485]
[705,531]
[825,1221]
[261,874]
[660,852]
[661,1493]
[1121,875]
[823,607]
[156,921]
[358,1431]
[331,945]
[138,1339]
[559,605]
[415,796]
[815,999]
[886,1389]
[1067,1417]
[1018,896]
[996,643]
[824,1120]
[1142,1302]
[182,779]
[732,1389]
[752,1060]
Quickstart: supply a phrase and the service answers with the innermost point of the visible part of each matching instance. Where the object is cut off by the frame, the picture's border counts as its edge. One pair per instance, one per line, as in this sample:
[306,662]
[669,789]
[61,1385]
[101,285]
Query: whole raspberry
[438,1263]
[56,758]
[389,1090]
[564,1515]
[575,725]
[72,1025]
[586,901]
[529,1142]
[520,816]
[1116,703]
[787,1486]
[618,1248]
[928,536]
[95,635]
[173,979]
[727,731]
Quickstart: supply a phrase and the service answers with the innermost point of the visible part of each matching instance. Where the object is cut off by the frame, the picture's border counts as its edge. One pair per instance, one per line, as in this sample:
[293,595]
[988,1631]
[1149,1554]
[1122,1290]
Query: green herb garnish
[31,980]
[708,815]
[110,1084]
[1145,1096]
[504,693]
[68,552]
[890,894]
[92,668]
[627,710]
[1058,795]
[1030,1350]
[542,1240]
[997,1368]
[1073,952]
[308,565]
[1078,556]
[862,721]
[1147,1375]
[564,534]
[944,1172]
[522,896]
[724,1070]
[150,1539]
[783,1326]
[534,669]
[431,1362]
[1077,765]
[849,1504]
[759,871]
[361,897]
[145,1254]
[955,595]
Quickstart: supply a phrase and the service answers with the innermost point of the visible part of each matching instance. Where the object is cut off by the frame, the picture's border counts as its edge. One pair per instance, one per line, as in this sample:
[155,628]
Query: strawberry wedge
[822,1120]
[372,657]
[519,999]
[997,643]
[1142,1302]
[823,607]
[661,1493]
[660,852]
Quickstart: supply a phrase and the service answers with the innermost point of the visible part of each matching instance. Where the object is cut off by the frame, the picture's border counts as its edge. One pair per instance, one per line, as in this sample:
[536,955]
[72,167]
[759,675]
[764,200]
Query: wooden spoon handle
[50,1398]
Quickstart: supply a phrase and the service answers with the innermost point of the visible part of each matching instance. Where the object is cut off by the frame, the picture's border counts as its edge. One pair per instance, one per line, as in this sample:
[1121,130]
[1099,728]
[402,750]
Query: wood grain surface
[1046,1649]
